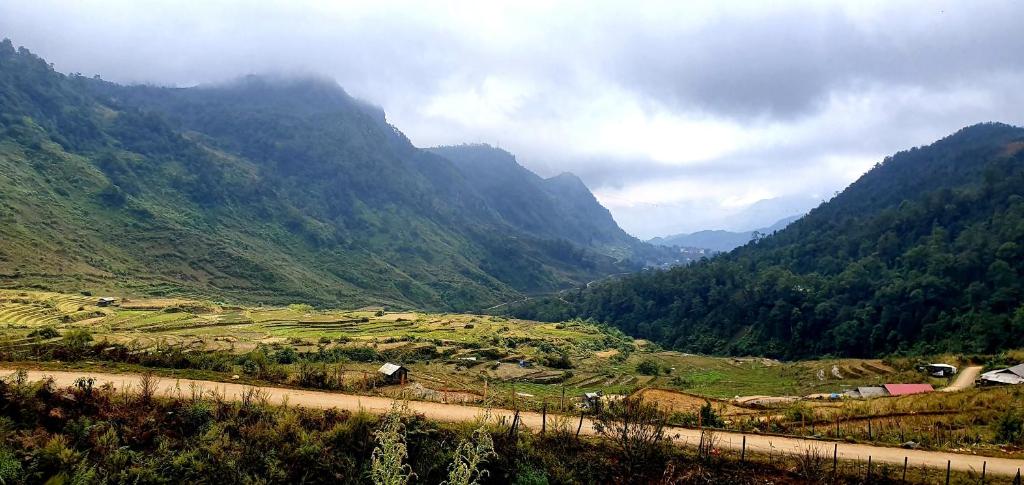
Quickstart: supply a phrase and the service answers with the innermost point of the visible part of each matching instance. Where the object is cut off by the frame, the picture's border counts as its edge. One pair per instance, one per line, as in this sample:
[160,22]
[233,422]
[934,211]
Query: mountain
[264,190]
[922,254]
[720,240]
[559,207]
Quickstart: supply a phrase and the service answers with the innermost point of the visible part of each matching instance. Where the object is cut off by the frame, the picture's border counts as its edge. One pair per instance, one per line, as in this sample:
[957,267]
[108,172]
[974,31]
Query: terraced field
[450,352]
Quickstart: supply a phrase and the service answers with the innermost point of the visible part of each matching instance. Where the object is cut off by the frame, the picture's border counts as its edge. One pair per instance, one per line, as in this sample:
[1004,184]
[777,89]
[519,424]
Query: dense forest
[269,190]
[922,254]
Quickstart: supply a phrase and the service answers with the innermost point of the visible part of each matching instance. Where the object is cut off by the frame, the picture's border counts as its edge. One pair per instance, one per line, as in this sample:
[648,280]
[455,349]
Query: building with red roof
[905,389]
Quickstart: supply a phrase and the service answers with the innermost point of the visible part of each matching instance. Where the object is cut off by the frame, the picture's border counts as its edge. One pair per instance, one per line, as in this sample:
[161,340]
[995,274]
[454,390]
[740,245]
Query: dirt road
[965,380]
[452,412]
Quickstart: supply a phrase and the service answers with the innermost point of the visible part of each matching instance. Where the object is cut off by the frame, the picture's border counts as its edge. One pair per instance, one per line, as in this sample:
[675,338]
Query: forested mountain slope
[260,190]
[923,253]
[560,207]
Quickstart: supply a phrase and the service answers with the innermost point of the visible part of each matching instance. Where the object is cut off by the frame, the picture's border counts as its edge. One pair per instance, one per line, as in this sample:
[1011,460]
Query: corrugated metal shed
[1013,375]
[905,389]
[389,369]
[872,391]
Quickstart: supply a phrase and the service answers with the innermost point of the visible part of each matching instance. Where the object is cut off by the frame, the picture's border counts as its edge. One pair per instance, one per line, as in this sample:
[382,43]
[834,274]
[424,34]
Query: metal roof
[872,391]
[1013,375]
[389,369]
[904,389]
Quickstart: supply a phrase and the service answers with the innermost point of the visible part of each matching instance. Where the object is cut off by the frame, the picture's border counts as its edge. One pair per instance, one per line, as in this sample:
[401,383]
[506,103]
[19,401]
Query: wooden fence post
[905,468]
[869,429]
[578,428]
[869,468]
[948,464]
[835,458]
[544,419]
[1016,480]
[984,468]
[743,450]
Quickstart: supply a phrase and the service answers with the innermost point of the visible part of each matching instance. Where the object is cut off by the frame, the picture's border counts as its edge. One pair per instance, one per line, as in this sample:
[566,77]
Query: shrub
[470,455]
[45,333]
[648,367]
[1010,428]
[10,468]
[709,417]
[300,307]
[558,360]
[637,430]
[387,463]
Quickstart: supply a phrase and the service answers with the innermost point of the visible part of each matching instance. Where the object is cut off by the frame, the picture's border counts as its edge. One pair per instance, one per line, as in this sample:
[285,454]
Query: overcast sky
[678,115]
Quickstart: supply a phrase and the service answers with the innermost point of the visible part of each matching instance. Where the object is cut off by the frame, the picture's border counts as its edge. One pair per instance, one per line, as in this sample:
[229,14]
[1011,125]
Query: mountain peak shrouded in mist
[276,189]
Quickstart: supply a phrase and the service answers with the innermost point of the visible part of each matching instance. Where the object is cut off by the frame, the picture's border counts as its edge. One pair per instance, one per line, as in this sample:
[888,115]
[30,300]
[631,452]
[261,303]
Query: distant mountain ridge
[269,190]
[720,240]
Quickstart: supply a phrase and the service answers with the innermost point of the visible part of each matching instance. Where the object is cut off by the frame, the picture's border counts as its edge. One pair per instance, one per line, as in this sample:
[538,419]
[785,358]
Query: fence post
[544,419]
[578,428]
[869,430]
[869,468]
[948,463]
[1016,480]
[835,458]
[743,450]
[905,468]
[984,468]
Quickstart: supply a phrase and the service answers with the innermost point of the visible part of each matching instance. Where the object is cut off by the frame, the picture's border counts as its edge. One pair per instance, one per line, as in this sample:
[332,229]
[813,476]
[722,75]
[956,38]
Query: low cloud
[694,110]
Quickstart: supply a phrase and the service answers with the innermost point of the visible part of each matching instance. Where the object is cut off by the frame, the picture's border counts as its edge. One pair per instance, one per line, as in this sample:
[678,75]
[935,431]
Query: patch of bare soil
[681,402]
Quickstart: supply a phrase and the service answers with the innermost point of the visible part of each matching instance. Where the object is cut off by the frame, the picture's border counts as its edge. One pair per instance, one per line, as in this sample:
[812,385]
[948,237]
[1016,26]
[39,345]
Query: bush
[300,307]
[1010,428]
[45,333]
[709,417]
[648,367]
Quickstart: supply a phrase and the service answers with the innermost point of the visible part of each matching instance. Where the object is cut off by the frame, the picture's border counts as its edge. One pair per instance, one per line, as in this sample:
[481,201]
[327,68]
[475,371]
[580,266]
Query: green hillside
[259,190]
[921,254]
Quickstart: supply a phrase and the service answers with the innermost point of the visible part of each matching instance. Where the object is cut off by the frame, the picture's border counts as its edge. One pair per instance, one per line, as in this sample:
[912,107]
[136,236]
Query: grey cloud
[934,66]
[786,63]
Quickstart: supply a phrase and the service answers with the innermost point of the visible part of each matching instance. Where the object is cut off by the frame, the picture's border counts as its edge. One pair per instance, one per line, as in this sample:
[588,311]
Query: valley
[487,361]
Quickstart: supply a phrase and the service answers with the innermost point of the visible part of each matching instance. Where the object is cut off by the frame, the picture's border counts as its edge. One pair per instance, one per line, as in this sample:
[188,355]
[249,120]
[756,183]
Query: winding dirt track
[452,412]
[965,380]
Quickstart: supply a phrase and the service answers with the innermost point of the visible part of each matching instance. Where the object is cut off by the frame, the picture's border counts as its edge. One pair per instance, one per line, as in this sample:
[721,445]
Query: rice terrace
[490,361]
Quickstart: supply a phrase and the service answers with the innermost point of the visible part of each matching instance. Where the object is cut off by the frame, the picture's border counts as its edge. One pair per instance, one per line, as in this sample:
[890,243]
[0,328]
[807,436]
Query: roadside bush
[709,417]
[1010,427]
